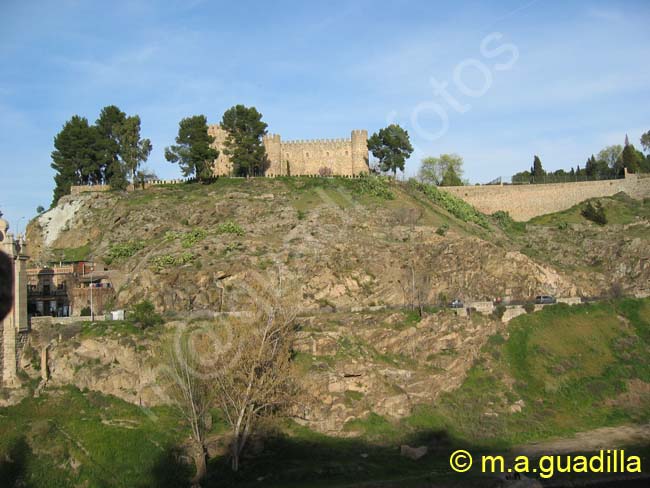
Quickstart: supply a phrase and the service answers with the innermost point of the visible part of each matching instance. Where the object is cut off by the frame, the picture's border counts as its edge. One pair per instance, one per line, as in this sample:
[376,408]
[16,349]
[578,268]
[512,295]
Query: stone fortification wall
[77,189]
[342,157]
[524,202]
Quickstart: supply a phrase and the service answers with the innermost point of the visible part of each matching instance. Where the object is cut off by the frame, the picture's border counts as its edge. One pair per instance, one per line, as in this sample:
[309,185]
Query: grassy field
[69,438]
[620,209]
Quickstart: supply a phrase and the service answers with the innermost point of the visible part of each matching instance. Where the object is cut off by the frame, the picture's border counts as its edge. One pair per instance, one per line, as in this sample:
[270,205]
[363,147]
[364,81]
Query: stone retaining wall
[523,202]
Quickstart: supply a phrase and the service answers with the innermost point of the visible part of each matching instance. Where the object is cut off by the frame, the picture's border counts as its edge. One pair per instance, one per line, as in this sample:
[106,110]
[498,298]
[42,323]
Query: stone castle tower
[341,157]
[16,321]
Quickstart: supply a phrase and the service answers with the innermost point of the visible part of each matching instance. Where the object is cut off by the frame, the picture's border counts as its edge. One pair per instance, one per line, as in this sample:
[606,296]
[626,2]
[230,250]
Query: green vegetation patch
[371,186]
[571,363]
[230,227]
[72,254]
[619,209]
[454,205]
[123,250]
[188,239]
[373,427]
[159,263]
[507,224]
[67,438]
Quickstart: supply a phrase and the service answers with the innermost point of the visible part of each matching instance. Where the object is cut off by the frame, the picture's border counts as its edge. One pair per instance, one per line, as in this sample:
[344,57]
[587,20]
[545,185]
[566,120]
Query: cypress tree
[537,169]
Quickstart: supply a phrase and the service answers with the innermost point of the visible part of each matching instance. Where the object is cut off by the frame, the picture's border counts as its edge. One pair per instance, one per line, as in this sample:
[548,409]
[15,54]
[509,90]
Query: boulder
[414,453]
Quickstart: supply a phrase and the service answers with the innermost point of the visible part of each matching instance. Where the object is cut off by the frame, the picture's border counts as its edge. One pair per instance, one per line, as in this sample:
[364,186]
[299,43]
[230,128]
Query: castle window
[307,154]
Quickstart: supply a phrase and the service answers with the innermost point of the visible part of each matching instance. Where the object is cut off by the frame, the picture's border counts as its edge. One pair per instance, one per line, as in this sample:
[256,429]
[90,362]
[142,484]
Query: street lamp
[92,309]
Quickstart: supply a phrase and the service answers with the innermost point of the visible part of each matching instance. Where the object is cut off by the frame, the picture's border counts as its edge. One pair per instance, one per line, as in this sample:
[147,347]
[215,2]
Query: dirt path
[592,440]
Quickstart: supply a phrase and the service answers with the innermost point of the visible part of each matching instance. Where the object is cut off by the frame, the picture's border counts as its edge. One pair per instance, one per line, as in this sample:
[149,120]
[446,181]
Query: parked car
[545,299]
[456,304]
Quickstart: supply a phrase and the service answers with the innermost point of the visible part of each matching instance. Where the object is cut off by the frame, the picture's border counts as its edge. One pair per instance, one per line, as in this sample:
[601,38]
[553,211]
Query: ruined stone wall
[77,189]
[343,157]
[523,202]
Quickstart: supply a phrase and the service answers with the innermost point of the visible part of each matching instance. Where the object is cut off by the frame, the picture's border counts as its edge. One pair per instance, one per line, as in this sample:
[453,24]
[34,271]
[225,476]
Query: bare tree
[189,385]
[256,379]
[415,280]
[241,365]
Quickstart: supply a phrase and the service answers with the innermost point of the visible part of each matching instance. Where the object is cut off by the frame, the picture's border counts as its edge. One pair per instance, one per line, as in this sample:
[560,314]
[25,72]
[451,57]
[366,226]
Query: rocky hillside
[346,243]
[349,365]
[562,369]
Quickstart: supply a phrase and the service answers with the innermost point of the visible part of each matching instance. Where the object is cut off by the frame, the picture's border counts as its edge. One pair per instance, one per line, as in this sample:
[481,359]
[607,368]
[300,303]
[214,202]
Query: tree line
[108,152]
[609,163]
[111,151]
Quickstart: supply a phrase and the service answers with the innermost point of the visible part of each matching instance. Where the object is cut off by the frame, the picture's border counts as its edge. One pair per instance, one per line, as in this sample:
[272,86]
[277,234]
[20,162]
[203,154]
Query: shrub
[194,236]
[230,227]
[529,307]
[188,239]
[172,235]
[167,260]
[302,214]
[144,314]
[442,230]
[123,250]
[563,225]
[325,171]
[86,312]
[454,205]
[595,213]
[616,290]
[374,186]
[498,311]
[506,222]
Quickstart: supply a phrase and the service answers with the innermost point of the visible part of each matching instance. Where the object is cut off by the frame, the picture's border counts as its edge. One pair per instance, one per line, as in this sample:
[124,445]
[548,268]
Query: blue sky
[560,79]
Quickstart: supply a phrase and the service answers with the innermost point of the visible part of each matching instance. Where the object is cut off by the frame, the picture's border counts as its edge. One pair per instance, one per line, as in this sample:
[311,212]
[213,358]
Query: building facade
[325,157]
[67,289]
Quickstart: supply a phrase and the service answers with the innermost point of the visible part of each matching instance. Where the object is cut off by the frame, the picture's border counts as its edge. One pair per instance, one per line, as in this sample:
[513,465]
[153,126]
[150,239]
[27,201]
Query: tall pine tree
[131,148]
[108,124]
[193,152]
[103,153]
[392,147]
[77,156]
[244,144]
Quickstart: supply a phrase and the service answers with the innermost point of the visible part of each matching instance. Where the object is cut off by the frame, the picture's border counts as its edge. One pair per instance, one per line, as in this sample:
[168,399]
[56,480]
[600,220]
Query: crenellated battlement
[317,141]
[343,157]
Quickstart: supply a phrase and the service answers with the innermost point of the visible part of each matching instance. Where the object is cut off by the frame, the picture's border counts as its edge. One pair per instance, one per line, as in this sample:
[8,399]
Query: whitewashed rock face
[59,219]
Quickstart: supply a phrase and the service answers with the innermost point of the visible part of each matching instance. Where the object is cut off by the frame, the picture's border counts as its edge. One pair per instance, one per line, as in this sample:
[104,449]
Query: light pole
[92,310]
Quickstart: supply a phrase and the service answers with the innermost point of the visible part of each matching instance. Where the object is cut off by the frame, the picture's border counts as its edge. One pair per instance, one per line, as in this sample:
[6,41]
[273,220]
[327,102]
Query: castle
[340,157]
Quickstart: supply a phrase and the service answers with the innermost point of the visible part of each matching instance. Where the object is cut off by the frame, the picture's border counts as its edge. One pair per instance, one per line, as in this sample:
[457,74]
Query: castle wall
[222,165]
[78,189]
[344,157]
[523,202]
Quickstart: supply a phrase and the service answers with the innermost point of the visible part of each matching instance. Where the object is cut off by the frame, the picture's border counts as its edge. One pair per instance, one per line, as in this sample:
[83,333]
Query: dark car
[545,299]
[456,304]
